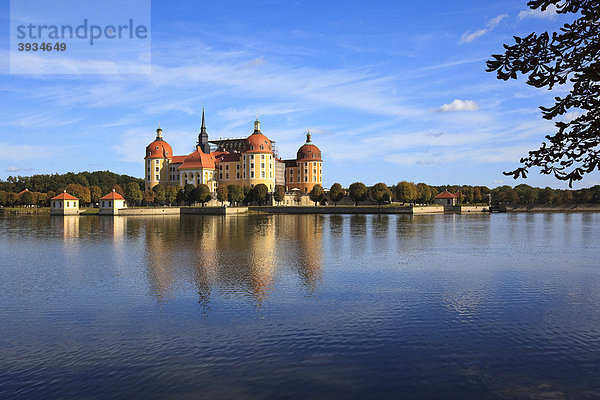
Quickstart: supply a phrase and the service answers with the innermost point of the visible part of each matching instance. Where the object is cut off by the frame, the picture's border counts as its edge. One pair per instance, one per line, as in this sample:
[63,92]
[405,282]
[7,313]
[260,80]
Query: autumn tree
[381,193]
[336,193]
[567,60]
[79,191]
[148,196]
[316,194]
[96,193]
[406,192]
[222,193]
[358,192]
[279,194]
[423,193]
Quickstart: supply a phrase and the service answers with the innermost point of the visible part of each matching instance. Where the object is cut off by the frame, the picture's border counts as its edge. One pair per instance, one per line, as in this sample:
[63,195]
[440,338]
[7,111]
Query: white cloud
[17,169]
[550,13]
[469,36]
[459,105]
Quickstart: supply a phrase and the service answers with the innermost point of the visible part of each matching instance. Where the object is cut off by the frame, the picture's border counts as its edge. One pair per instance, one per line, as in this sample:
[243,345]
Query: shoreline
[343,209]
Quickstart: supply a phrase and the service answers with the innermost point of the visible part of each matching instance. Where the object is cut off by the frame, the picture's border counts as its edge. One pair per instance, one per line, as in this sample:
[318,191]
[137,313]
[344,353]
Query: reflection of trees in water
[303,235]
[237,254]
[160,252]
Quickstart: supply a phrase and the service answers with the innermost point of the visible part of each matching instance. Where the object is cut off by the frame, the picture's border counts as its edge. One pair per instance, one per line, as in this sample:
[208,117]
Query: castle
[243,162]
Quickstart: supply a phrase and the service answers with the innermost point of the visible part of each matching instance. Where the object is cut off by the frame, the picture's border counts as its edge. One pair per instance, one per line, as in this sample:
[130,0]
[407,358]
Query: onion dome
[257,142]
[308,151]
[159,148]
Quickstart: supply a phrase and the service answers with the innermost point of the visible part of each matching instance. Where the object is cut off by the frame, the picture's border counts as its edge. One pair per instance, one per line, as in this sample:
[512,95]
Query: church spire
[203,136]
[308,136]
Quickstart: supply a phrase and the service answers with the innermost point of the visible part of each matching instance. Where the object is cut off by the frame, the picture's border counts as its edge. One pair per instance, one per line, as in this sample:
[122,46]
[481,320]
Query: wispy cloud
[459,105]
[549,13]
[469,36]
[18,169]
[13,152]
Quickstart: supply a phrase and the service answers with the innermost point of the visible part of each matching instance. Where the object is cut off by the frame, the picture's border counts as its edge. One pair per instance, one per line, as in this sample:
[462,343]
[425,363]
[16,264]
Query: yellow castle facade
[245,161]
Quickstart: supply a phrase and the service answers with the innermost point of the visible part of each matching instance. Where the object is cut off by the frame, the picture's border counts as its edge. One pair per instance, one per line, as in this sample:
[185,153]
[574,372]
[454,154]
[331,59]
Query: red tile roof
[64,196]
[112,196]
[23,191]
[198,160]
[446,195]
[178,159]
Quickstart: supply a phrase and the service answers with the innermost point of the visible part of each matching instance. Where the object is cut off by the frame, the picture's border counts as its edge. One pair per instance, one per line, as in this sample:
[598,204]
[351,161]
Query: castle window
[157,178]
[262,147]
[262,165]
[252,174]
[238,175]
[252,166]
[157,168]
[227,175]
[227,167]
[262,156]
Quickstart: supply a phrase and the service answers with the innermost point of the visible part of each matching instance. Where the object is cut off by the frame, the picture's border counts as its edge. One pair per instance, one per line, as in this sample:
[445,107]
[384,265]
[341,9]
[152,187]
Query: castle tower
[203,137]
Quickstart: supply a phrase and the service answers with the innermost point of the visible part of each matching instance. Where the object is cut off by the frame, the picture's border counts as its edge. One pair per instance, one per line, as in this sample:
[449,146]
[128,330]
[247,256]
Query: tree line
[89,187]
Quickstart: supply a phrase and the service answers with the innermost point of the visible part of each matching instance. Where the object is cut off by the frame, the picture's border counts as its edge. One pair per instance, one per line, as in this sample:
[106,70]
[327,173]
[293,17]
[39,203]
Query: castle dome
[308,151]
[257,142]
[159,148]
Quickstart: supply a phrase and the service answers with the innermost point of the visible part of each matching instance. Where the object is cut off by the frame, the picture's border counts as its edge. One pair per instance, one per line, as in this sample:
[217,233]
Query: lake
[300,306]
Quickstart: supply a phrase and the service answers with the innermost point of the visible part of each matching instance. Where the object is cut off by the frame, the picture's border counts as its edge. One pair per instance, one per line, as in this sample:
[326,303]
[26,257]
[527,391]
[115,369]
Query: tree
[27,198]
[248,193]
[96,193]
[133,194]
[79,191]
[222,193]
[570,59]
[279,194]
[336,193]
[358,192]
[12,199]
[202,194]
[423,193]
[316,194]
[119,189]
[181,197]
[188,190]
[160,196]
[406,192]
[381,193]
[298,197]
[3,198]
[171,194]
[260,193]
[234,194]
[148,196]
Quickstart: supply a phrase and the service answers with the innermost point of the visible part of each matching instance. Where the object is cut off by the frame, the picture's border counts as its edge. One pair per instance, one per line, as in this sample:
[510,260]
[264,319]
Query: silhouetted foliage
[569,57]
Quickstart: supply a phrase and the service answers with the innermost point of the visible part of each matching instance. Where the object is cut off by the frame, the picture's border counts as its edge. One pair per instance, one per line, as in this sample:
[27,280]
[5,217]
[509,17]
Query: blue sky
[390,90]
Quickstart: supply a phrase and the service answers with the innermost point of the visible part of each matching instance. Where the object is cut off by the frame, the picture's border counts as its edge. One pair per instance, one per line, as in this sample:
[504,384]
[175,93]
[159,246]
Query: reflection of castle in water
[229,253]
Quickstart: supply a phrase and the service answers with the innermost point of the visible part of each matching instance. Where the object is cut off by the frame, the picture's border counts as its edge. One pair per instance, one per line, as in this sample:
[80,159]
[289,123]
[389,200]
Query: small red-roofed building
[446,198]
[64,204]
[111,203]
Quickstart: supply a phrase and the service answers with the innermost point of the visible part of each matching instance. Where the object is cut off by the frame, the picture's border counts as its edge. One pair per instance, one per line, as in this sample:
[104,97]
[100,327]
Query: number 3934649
[44,46]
